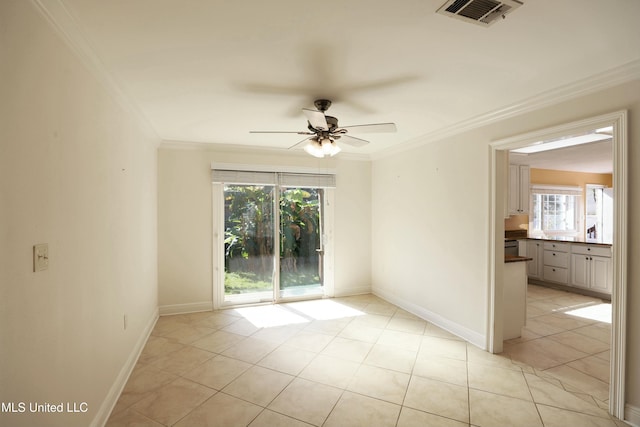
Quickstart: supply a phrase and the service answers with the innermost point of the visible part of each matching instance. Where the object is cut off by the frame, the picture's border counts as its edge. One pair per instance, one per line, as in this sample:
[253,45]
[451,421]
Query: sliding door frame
[218,224]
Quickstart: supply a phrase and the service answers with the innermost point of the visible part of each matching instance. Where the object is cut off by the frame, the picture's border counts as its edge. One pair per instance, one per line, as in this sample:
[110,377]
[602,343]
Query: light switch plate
[40,257]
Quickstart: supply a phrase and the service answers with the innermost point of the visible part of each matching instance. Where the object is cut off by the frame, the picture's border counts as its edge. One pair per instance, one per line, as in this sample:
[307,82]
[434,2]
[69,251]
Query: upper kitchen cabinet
[519,177]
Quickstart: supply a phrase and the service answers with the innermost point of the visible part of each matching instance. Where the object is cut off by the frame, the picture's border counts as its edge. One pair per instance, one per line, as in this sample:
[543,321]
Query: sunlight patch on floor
[598,312]
[325,309]
[269,316]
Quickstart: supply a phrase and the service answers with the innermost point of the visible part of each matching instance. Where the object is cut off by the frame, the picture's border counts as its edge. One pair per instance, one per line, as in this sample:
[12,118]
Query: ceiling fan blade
[282,131]
[382,83]
[374,127]
[316,118]
[355,142]
[299,143]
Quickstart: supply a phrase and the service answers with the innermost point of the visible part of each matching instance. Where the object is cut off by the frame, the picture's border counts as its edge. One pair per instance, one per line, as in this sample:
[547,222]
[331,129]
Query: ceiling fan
[324,131]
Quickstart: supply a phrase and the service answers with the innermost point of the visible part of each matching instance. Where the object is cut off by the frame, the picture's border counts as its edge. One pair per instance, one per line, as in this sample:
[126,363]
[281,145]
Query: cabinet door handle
[590,258]
[587,258]
[588,249]
[553,254]
[553,269]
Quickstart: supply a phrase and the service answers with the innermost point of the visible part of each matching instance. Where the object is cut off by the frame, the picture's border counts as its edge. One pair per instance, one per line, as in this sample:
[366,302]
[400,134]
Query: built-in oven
[511,240]
[510,247]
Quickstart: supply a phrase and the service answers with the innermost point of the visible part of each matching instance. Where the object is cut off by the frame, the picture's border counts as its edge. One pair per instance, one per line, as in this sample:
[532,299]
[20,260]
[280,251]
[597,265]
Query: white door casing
[619,259]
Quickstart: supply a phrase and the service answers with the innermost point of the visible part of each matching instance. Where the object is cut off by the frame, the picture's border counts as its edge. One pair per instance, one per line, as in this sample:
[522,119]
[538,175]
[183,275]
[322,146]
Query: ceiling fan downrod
[322,104]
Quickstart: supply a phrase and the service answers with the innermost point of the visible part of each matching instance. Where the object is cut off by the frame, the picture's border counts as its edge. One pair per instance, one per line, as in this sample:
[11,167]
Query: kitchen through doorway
[499,156]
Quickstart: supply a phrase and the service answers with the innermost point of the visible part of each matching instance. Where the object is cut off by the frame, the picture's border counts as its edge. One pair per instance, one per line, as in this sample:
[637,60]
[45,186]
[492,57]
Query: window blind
[222,176]
[285,179]
[556,189]
[307,180]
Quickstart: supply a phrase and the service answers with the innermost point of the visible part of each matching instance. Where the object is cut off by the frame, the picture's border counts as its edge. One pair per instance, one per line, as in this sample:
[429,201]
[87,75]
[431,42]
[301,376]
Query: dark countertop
[516,258]
[568,240]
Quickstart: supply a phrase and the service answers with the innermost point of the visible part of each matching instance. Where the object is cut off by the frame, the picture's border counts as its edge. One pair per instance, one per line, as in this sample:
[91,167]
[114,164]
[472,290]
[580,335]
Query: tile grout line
[533,400]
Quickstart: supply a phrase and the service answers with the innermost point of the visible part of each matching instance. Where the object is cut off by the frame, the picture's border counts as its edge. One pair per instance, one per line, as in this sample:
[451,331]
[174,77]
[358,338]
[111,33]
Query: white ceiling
[211,71]
[596,157]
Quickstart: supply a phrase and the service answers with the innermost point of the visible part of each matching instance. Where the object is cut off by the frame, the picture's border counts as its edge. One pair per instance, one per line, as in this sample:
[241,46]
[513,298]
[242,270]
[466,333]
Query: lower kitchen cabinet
[577,265]
[591,268]
[556,274]
[535,252]
[601,279]
[556,262]
[580,271]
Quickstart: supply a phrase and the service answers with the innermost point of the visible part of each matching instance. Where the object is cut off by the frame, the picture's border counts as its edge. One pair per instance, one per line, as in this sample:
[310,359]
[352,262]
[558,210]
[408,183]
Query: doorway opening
[498,208]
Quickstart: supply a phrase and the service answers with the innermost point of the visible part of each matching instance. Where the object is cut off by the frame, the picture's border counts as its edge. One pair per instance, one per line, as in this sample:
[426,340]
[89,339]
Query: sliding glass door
[301,248]
[249,243]
[273,243]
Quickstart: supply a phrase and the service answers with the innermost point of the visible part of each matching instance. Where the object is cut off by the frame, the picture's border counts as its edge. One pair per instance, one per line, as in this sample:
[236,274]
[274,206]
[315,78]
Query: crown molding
[62,20]
[597,82]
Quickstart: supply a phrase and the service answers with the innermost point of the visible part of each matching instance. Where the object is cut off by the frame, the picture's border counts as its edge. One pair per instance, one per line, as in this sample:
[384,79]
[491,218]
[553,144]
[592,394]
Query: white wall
[352,228]
[185,220]
[429,233]
[430,220]
[78,173]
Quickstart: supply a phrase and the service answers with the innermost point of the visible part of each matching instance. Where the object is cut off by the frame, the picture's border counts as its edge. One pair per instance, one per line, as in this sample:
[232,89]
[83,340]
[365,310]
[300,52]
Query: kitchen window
[555,211]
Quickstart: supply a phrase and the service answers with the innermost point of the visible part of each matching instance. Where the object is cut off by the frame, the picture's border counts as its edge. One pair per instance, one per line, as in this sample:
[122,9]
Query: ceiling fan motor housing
[322,104]
[332,124]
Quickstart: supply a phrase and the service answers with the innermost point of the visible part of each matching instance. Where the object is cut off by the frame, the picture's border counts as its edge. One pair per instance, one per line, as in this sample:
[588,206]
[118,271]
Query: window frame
[545,190]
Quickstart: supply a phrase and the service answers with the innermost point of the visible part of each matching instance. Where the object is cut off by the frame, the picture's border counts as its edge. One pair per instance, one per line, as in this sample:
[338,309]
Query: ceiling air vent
[481,12]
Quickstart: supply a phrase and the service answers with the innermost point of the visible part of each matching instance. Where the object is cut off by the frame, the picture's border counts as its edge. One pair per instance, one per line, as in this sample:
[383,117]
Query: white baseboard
[632,415]
[192,307]
[360,290]
[121,380]
[467,334]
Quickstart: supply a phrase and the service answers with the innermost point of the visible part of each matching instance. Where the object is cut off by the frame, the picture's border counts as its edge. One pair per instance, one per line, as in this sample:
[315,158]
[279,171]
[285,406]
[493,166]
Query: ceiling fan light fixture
[329,147]
[322,148]
[314,148]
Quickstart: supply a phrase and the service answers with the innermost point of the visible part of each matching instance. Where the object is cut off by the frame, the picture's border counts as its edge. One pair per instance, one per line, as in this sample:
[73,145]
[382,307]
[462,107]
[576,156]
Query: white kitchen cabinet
[556,259]
[601,274]
[591,268]
[580,270]
[556,262]
[556,246]
[535,252]
[519,177]
[578,265]
[556,274]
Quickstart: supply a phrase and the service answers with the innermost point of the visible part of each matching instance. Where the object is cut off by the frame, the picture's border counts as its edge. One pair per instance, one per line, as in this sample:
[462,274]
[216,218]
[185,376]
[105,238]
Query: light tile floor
[567,337]
[360,361]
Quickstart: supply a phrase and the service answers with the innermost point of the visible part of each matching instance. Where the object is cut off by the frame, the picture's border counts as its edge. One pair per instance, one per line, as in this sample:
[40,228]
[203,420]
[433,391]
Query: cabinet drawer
[555,274]
[591,250]
[556,259]
[558,247]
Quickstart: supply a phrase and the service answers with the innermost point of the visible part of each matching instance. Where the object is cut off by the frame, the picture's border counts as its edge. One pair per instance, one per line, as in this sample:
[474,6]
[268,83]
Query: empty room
[364,214]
